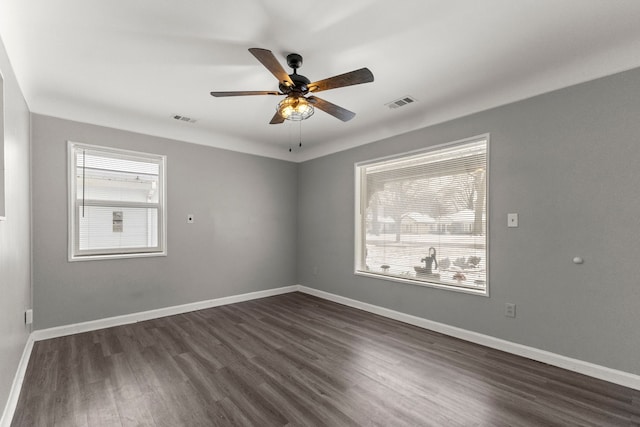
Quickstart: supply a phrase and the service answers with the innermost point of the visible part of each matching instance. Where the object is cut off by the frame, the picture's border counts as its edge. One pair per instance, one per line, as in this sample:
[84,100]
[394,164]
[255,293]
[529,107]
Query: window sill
[116,256]
[382,276]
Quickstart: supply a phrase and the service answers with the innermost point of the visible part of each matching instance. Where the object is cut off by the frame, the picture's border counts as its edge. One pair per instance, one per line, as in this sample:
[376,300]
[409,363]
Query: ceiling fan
[297,106]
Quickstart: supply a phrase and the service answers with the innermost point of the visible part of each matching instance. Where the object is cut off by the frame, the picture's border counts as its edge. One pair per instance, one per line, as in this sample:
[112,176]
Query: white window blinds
[422,216]
[117,200]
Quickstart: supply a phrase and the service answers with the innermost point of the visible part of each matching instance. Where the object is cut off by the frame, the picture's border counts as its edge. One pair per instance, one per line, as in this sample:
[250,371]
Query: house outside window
[116,203]
[421,217]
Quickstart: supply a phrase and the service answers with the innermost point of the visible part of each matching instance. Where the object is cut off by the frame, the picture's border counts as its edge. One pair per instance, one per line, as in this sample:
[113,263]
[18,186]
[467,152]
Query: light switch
[190,219]
[512,220]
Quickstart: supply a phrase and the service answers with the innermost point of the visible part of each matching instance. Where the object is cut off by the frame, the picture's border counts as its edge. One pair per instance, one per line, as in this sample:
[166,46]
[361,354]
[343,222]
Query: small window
[421,217]
[116,203]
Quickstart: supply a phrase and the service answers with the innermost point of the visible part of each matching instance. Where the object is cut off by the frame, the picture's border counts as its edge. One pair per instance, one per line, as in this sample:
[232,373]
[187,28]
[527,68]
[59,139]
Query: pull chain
[300,134]
[290,135]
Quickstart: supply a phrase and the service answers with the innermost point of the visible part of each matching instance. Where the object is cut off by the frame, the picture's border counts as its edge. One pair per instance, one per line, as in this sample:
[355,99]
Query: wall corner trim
[16,386]
[76,328]
[622,378]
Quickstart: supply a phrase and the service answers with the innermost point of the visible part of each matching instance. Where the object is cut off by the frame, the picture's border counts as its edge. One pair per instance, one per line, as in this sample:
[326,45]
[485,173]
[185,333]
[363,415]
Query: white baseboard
[60,331]
[16,386]
[622,378]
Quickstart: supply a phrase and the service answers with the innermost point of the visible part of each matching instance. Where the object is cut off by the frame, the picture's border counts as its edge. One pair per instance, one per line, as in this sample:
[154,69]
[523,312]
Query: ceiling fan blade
[246,92]
[277,119]
[363,75]
[333,109]
[271,63]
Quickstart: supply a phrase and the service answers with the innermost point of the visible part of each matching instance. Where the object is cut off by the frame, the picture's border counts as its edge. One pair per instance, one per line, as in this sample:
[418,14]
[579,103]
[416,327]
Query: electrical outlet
[510,309]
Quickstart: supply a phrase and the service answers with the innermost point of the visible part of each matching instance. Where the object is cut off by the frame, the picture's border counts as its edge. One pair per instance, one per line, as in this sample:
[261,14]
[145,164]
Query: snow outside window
[421,217]
[117,203]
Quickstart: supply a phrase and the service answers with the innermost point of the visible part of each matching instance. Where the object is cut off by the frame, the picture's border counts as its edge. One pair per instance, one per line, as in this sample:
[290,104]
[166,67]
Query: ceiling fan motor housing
[300,82]
[300,85]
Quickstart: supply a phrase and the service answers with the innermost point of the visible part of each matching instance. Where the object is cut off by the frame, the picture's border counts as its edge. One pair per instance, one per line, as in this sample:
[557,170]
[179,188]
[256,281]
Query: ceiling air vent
[183,118]
[401,102]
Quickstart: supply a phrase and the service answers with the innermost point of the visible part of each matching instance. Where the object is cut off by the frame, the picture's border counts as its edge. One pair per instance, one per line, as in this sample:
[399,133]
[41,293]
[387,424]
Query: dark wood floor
[298,360]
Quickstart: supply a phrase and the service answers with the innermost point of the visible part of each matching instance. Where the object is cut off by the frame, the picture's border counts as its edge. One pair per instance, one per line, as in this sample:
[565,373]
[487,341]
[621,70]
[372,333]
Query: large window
[421,217]
[116,203]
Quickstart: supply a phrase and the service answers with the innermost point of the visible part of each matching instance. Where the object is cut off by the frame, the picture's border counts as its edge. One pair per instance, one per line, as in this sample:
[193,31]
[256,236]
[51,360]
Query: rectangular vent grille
[401,102]
[183,118]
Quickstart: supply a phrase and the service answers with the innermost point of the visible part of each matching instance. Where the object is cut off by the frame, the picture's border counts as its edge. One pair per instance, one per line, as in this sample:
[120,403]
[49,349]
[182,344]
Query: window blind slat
[139,228]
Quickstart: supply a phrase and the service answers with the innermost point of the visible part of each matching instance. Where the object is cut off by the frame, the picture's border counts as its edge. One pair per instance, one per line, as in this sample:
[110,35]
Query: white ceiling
[134,64]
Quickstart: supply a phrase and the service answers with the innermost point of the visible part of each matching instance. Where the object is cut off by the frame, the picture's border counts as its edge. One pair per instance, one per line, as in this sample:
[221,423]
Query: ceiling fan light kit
[297,106]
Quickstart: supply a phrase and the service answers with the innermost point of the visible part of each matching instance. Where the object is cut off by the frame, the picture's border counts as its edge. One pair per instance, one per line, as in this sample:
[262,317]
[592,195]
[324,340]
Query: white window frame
[75,254]
[360,214]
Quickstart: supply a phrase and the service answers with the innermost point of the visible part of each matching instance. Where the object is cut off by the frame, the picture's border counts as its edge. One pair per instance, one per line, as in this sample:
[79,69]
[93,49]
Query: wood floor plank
[255,407]
[313,399]
[101,405]
[202,376]
[297,360]
[235,416]
[129,399]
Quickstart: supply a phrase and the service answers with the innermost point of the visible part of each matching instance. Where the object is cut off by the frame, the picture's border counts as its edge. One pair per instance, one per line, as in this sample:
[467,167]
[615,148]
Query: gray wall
[567,162]
[243,238]
[15,250]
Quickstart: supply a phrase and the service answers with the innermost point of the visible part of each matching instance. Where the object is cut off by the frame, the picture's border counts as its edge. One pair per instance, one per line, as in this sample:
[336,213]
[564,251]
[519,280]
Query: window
[421,217]
[116,203]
